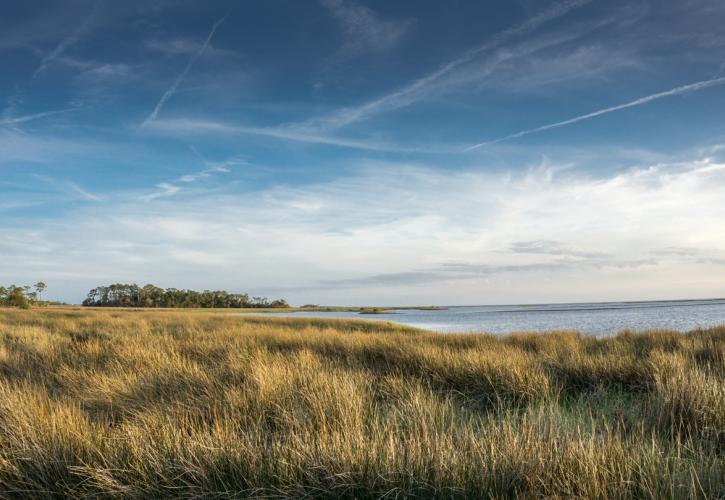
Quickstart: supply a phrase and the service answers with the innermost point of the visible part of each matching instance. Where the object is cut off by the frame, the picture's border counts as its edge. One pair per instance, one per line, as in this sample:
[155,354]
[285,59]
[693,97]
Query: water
[601,319]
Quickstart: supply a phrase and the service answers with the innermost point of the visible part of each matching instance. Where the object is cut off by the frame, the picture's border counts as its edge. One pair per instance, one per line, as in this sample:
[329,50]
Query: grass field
[257,310]
[182,404]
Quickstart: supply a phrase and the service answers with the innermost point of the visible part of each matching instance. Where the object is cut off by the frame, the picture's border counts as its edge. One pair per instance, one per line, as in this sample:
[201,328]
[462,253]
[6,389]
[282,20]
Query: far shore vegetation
[152,296]
[101,403]
[132,295]
[22,297]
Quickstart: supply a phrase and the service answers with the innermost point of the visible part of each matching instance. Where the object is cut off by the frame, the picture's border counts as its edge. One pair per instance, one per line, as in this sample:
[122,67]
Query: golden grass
[180,404]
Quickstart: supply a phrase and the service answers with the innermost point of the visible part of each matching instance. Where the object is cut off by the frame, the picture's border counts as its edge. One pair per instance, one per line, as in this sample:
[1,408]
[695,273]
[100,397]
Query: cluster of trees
[123,295]
[22,296]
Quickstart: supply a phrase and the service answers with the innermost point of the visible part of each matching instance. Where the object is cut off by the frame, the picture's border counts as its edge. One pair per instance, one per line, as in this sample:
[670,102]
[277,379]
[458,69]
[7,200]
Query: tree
[40,287]
[15,296]
[124,295]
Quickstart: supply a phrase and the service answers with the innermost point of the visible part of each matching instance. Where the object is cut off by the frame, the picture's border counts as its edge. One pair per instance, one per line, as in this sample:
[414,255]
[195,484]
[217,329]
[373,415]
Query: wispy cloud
[551,247]
[165,189]
[684,89]
[172,188]
[191,127]
[592,63]
[16,120]
[457,272]
[187,47]
[675,251]
[211,167]
[107,71]
[84,193]
[692,254]
[13,103]
[719,71]
[364,30]
[411,92]
[68,41]
[69,187]
[89,68]
[174,86]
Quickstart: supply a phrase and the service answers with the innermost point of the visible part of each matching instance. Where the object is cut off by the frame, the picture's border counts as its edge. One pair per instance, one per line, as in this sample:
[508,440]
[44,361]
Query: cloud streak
[70,187]
[211,167]
[165,190]
[408,94]
[186,126]
[17,120]
[364,30]
[174,86]
[549,247]
[684,89]
[67,42]
[459,272]
[84,193]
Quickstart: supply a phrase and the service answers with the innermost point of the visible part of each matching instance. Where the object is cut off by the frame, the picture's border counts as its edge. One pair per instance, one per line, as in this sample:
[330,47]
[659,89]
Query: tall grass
[170,404]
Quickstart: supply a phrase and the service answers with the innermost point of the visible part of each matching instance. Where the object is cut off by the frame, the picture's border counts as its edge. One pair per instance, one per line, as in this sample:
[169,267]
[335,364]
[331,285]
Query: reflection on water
[604,318]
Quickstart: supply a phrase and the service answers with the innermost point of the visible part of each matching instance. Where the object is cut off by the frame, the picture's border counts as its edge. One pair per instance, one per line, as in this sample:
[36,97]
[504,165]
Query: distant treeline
[122,295]
[22,296]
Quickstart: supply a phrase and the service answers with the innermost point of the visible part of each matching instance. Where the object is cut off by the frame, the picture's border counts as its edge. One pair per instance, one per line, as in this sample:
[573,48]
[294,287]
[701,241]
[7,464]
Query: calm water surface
[603,318]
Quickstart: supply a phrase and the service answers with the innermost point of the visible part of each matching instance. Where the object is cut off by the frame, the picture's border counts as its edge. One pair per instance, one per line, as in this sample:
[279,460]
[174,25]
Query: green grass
[181,404]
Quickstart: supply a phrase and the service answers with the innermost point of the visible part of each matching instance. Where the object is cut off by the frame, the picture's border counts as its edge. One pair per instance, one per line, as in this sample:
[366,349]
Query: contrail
[404,95]
[198,155]
[720,71]
[172,90]
[685,89]
[22,119]
[67,42]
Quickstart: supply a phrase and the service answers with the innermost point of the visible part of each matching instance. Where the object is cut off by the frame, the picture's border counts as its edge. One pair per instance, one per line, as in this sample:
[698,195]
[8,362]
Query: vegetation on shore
[375,310]
[22,296]
[125,295]
[170,404]
[132,296]
[255,310]
[361,310]
[357,309]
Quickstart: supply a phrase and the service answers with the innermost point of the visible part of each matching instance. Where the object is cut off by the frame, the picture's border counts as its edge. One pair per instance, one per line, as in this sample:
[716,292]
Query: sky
[366,152]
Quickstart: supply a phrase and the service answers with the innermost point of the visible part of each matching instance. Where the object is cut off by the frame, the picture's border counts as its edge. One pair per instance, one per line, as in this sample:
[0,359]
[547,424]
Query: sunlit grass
[149,404]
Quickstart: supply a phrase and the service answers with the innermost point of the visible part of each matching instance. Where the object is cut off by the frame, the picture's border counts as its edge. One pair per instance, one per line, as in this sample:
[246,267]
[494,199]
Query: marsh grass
[179,404]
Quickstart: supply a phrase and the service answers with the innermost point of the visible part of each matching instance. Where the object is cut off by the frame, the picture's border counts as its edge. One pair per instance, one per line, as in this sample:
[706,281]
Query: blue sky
[366,152]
